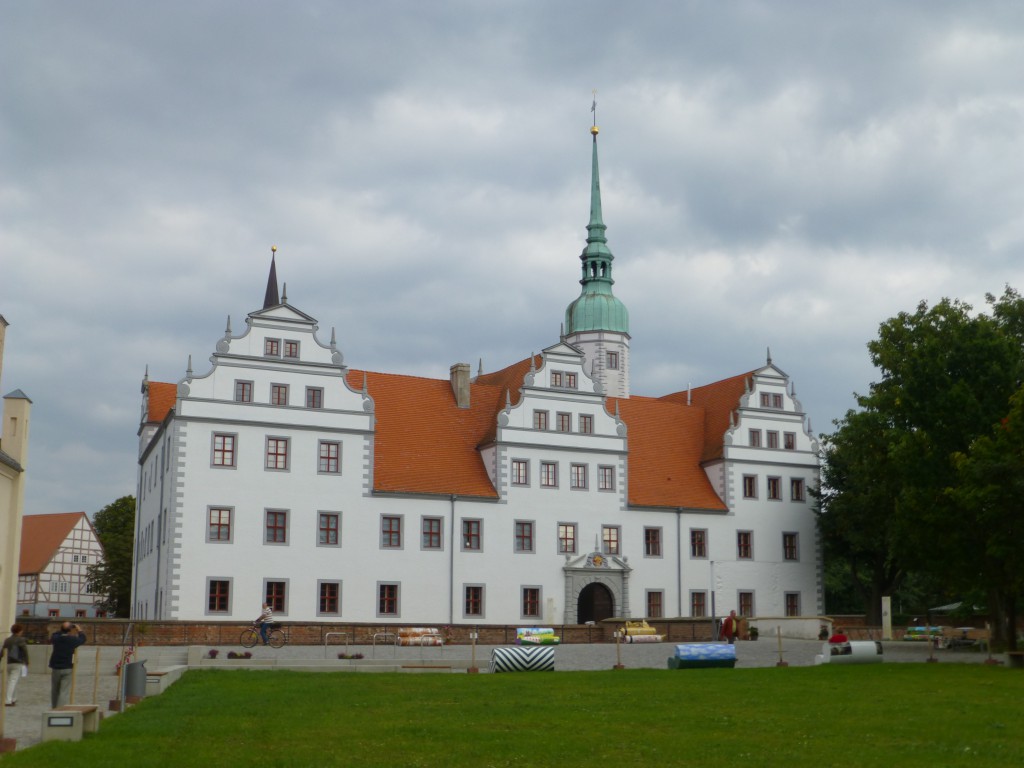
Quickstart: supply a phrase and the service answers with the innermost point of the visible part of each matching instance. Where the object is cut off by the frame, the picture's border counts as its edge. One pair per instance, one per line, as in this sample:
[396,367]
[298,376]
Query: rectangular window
[769,400]
[610,535]
[329,525]
[612,361]
[556,378]
[586,424]
[277,453]
[387,599]
[431,533]
[330,598]
[218,524]
[567,538]
[279,394]
[606,478]
[746,603]
[792,603]
[531,602]
[243,391]
[329,455]
[314,397]
[790,546]
[775,488]
[272,347]
[540,419]
[744,545]
[698,543]
[570,381]
[218,592]
[698,604]
[524,536]
[276,526]
[474,604]
[655,601]
[578,476]
[548,474]
[223,450]
[773,438]
[789,441]
[276,595]
[750,486]
[652,542]
[755,438]
[471,535]
[796,489]
[563,422]
[520,472]
[291,348]
[391,532]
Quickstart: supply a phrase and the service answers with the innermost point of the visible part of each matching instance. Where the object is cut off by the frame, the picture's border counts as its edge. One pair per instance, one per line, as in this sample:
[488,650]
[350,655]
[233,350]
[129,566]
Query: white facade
[544,493]
[528,552]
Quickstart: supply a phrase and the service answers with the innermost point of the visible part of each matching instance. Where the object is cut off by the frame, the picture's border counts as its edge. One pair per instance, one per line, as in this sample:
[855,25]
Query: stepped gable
[718,400]
[666,440]
[161,400]
[41,536]
[423,442]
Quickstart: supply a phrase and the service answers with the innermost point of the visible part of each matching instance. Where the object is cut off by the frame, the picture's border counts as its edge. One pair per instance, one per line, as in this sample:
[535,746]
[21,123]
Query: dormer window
[556,378]
[291,349]
[272,347]
[771,400]
[563,380]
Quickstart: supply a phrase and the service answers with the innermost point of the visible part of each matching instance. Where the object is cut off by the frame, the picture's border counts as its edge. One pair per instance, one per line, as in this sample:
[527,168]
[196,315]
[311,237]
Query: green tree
[947,376]
[115,527]
[857,503]
[990,489]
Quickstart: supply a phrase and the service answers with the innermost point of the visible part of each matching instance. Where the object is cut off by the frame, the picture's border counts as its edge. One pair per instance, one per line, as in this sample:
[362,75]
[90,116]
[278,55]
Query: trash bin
[135,679]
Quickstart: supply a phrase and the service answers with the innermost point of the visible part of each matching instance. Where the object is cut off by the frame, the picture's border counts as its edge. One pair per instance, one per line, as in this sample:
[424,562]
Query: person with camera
[62,661]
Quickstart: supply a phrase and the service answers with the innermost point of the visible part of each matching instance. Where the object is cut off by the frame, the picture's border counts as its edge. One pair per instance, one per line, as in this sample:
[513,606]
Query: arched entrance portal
[595,603]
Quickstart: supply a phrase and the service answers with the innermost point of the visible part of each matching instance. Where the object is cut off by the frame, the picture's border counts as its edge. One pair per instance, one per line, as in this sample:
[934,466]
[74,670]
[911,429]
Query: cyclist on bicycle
[264,620]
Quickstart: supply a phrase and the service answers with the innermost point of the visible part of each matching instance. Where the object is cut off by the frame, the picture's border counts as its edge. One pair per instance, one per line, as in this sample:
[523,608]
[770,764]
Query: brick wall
[117,631]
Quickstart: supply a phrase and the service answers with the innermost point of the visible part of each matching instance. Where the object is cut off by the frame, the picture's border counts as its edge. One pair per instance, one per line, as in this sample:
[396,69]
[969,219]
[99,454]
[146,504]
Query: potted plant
[753,633]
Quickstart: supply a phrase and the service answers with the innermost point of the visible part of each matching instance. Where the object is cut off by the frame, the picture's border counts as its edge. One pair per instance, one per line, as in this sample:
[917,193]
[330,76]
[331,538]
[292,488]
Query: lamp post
[714,618]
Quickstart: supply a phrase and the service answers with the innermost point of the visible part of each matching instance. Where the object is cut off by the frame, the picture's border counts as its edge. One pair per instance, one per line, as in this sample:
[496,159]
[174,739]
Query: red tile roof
[41,537]
[717,400]
[161,399]
[665,444]
[425,443]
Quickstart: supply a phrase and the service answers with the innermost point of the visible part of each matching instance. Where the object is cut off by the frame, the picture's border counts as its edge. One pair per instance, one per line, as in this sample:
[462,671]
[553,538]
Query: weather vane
[593,107]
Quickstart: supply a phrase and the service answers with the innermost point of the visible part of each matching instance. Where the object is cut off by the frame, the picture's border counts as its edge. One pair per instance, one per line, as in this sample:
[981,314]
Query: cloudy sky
[775,174]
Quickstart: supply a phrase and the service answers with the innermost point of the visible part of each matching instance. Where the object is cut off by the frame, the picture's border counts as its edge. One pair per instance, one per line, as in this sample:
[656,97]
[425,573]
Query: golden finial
[273,249]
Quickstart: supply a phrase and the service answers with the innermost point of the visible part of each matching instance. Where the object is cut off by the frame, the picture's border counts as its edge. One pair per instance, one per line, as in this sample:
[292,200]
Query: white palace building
[544,493]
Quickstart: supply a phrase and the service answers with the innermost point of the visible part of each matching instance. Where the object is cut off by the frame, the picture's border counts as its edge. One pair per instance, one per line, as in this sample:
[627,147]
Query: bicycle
[251,635]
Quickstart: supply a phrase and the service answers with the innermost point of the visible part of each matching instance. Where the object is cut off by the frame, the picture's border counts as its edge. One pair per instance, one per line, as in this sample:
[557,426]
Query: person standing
[264,621]
[16,649]
[730,627]
[62,661]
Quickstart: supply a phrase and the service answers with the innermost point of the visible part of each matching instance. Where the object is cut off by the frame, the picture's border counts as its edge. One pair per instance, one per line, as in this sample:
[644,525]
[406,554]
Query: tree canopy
[112,578]
[902,480]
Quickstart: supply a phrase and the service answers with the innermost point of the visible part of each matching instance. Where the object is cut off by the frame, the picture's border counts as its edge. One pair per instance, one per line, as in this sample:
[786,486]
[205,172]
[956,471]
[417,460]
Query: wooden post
[74,676]
[778,634]
[96,679]
[473,669]
[618,648]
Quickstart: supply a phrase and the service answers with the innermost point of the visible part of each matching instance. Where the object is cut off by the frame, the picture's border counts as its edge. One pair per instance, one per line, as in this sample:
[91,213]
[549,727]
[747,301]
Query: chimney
[460,384]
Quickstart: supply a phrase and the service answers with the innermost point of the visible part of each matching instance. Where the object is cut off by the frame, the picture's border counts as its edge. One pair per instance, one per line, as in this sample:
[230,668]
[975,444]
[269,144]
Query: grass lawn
[893,715]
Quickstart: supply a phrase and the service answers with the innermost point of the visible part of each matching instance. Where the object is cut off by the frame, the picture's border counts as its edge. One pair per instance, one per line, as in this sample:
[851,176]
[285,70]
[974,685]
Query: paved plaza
[22,722]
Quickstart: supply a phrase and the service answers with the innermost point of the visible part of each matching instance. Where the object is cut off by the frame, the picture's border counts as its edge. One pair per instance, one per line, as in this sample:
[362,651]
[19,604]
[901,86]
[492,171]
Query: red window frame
[652,542]
[391,532]
[790,546]
[531,602]
[548,474]
[655,604]
[471,535]
[566,538]
[276,528]
[276,592]
[698,605]
[291,348]
[744,545]
[243,391]
[520,472]
[328,528]
[474,603]
[218,596]
[586,424]
[330,592]
[387,599]
[223,450]
[279,394]
[219,524]
[277,453]
[329,453]
[431,532]
[698,543]
[524,536]
[314,397]
[610,539]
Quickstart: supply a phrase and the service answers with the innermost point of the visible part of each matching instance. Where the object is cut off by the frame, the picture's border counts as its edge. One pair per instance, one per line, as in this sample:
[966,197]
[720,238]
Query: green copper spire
[596,309]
